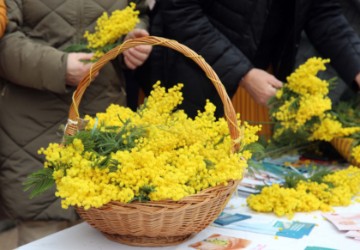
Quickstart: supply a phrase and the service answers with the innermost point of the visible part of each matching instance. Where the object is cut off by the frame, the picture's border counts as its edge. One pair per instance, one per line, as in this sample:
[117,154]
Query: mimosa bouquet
[155,153]
[302,112]
[109,31]
[322,190]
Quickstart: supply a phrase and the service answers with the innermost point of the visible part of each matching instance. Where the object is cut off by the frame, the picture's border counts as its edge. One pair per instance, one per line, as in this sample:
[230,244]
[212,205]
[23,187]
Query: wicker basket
[167,222]
[344,148]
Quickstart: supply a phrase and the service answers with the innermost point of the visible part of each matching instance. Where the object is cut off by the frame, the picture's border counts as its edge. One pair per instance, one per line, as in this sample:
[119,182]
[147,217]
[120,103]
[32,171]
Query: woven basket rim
[343,146]
[163,203]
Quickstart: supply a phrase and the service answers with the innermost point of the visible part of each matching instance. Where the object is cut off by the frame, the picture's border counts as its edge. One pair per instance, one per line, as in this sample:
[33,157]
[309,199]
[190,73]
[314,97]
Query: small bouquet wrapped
[108,31]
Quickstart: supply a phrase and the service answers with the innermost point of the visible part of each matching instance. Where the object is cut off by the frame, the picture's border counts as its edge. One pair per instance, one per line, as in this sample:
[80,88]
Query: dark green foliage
[85,137]
[109,141]
[209,164]
[82,47]
[101,143]
[78,48]
[316,174]
[38,182]
[257,150]
[144,193]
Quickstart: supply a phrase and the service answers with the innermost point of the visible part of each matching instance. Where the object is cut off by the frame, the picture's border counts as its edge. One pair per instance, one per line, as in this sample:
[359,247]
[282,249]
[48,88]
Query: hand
[76,69]
[357,79]
[136,56]
[260,85]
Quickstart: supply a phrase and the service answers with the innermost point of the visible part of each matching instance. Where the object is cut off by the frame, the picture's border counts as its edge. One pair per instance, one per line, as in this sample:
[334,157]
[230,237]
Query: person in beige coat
[37,79]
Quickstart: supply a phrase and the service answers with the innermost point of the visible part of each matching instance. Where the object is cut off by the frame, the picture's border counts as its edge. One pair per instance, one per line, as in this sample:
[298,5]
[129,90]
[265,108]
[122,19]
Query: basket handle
[74,120]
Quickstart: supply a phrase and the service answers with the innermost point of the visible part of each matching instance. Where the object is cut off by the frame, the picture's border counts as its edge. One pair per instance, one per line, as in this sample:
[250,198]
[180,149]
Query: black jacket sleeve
[334,38]
[187,22]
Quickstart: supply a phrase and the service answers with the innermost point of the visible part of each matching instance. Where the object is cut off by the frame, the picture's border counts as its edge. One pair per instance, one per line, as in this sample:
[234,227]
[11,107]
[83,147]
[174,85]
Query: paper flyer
[222,242]
[271,226]
[344,222]
[353,234]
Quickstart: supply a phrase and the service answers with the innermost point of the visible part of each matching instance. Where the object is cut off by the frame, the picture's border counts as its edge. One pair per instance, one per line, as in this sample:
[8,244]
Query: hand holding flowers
[133,58]
[109,31]
[260,85]
[302,111]
[76,69]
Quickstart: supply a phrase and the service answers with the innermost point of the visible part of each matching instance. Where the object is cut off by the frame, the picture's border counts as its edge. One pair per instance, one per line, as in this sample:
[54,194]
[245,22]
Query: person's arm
[27,63]
[186,22]
[36,65]
[334,38]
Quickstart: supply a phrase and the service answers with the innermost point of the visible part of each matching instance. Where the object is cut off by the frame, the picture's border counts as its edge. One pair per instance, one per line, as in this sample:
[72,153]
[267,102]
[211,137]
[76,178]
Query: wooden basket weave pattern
[158,223]
[344,148]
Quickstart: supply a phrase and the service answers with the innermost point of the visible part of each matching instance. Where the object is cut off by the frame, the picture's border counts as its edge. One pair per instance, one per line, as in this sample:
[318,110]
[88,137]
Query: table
[324,235]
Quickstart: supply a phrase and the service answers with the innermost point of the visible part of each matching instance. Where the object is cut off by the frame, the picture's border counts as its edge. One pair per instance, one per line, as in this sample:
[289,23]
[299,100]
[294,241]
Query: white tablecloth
[323,235]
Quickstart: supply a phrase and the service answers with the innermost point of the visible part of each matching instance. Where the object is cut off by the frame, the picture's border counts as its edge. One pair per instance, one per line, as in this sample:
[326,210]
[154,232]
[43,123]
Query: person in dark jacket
[341,91]
[37,80]
[243,41]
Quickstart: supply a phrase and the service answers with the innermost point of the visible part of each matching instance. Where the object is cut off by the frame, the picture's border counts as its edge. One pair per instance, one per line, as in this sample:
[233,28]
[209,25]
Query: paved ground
[8,239]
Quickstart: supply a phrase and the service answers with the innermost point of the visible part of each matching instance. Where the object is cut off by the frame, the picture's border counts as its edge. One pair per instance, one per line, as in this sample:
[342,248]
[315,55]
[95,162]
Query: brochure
[226,218]
[223,242]
[270,226]
[353,234]
[344,222]
[318,248]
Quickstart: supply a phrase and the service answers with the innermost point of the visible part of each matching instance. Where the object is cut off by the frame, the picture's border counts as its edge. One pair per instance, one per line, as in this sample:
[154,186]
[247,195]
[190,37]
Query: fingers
[271,91]
[139,52]
[265,95]
[141,49]
[77,68]
[275,83]
[136,56]
[85,56]
[135,33]
[261,85]
[132,62]
[129,63]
